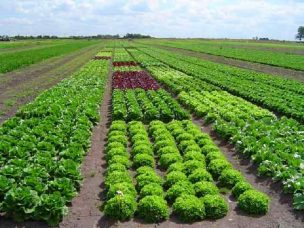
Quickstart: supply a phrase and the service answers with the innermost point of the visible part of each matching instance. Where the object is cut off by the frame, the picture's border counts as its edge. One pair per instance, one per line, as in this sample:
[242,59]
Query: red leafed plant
[118,64]
[134,79]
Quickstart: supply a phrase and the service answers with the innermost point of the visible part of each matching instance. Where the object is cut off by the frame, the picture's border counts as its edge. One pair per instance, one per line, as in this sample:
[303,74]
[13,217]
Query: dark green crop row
[42,147]
[12,61]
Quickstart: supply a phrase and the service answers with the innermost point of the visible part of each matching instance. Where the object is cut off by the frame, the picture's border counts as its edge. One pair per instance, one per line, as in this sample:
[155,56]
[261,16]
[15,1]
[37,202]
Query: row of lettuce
[43,146]
[275,144]
[280,95]
[158,159]
[275,58]
[193,167]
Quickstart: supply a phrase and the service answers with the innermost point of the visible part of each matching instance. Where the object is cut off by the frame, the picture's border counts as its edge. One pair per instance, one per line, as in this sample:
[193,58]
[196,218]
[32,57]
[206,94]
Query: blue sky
[275,19]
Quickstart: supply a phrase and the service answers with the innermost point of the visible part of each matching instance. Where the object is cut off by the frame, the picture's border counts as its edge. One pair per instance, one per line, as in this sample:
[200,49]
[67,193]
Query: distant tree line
[21,37]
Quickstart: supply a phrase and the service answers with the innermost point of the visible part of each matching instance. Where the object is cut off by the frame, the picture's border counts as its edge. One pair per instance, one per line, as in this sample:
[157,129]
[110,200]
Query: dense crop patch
[43,146]
[271,92]
[134,79]
[275,144]
[146,106]
[15,60]
[287,60]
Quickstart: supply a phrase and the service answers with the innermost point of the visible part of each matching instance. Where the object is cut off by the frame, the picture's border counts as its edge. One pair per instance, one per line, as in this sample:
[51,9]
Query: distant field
[276,54]
[37,52]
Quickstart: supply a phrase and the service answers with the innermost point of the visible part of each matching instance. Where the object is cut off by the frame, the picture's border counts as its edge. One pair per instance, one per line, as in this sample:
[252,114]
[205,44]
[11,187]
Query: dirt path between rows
[279,71]
[85,212]
[20,87]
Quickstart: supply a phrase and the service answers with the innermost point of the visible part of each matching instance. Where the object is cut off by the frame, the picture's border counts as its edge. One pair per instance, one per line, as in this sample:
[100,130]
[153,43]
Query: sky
[275,19]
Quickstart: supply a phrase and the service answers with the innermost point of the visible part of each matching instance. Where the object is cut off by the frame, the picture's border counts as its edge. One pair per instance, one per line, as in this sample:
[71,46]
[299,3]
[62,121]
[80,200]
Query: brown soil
[85,209]
[287,73]
[24,85]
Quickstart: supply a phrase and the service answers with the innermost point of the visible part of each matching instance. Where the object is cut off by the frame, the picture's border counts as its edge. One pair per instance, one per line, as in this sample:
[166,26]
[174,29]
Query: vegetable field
[144,136]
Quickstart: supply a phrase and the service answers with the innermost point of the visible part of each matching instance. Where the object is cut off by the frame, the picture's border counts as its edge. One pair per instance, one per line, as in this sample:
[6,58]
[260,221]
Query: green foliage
[216,167]
[120,207]
[203,188]
[148,178]
[194,155]
[178,189]
[229,177]
[153,209]
[177,166]
[215,205]
[200,175]
[143,160]
[117,177]
[125,188]
[151,189]
[190,166]
[118,159]
[167,159]
[144,170]
[240,188]
[174,177]
[189,208]
[253,202]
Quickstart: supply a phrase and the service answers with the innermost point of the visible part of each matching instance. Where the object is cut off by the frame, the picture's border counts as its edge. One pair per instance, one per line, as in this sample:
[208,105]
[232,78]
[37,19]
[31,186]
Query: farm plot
[279,95]
[274,144]
[287,60]
[43,146]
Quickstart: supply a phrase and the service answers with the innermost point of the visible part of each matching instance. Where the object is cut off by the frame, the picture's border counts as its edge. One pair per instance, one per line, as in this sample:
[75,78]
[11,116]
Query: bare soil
[20,87]
[279,71]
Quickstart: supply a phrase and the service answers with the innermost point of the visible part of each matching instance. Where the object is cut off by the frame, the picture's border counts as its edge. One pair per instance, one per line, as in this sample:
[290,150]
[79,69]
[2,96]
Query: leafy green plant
[229,177]
[151,189]
[215,205]
[203,188]
[174,177]
[153,209]
[143,160]
[120,207]
[167,159]
[216,167]
[189,208]
[191,165]
[125,188]
[178,189]
[253,202]
[240,187]
[200,174]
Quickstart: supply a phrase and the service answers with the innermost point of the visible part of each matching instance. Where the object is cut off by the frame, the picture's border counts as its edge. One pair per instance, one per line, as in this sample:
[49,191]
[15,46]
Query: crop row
[146,106]
[43,146]
[134,79]
[286,60]
[121,55]
[127,68]
[285,100]
[124,63]
[274,144]
[193,166]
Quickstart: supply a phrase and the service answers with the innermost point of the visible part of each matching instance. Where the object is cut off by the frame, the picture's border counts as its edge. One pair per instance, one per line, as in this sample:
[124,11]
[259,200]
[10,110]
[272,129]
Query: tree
[300,34]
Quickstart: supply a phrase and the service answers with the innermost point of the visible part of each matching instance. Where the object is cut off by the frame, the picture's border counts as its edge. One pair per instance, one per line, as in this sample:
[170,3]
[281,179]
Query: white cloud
[162,18]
